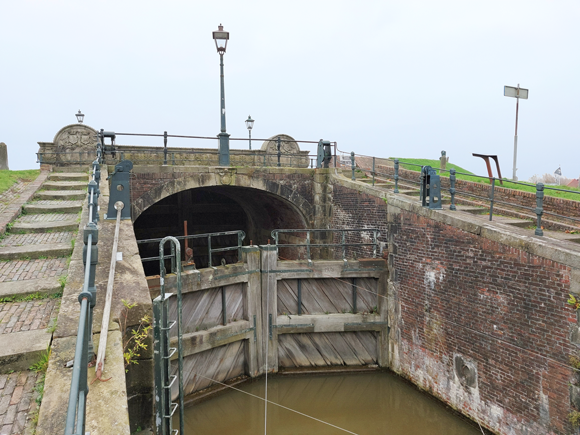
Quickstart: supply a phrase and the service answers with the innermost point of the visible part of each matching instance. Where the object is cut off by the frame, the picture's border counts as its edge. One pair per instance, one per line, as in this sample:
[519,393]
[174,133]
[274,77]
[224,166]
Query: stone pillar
[3,157]
[269,262]
[251,256]
[322,211]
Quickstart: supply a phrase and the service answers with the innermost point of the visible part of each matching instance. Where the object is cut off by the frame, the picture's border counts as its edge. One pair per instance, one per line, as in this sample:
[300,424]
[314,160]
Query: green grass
[483,180]
[8,178]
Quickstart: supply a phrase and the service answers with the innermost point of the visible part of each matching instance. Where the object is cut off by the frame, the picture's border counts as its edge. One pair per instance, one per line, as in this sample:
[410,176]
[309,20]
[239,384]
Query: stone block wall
[481,321]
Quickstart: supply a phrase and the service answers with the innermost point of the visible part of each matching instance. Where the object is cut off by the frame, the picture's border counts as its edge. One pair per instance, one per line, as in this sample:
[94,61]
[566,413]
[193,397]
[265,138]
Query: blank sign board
[510,91]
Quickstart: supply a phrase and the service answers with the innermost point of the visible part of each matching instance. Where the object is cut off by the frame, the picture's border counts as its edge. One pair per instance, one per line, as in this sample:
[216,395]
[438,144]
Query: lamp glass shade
[80,117]
[249,123]
[221,39]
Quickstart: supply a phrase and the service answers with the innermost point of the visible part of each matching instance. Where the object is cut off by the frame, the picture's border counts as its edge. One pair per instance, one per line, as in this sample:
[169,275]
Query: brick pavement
[20,270]
[27,315]
[17,402]
[47,217]
[37,238]
[12,193]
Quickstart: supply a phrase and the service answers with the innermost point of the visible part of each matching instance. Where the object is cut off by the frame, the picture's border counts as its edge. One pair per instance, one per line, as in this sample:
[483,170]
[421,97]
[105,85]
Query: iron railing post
[279,150]
[396,176]
[539,208]
[164,148]
[90,256]
[373,171]
[452,179]
[491,198]
[352,165]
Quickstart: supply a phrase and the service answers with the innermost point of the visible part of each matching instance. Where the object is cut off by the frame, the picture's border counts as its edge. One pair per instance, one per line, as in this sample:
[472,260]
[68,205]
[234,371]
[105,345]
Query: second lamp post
[249,126]
[221,41]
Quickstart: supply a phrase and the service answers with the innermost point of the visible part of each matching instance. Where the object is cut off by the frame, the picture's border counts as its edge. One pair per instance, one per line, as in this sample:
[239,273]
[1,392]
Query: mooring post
[396,176]
[352,164]
[539,208]
[452,189]
[251,256]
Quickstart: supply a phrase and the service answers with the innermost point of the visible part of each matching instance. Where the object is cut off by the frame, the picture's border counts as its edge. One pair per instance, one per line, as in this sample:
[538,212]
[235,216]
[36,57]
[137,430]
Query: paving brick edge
[14,209]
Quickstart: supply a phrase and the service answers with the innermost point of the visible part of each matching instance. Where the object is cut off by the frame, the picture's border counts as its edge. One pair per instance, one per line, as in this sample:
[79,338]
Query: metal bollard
[452,179]
[93,188]
[396,176]
[352,164]
[539,208]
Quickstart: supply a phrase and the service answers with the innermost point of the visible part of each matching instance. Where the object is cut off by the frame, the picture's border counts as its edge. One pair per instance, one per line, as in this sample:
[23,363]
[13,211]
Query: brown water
[364,404]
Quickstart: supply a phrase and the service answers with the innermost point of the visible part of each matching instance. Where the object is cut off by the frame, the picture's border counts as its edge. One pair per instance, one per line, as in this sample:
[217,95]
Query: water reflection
[366,404]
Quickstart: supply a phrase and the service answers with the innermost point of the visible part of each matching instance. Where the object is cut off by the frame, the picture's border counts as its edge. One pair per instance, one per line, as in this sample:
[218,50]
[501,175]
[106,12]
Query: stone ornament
[465,370]
[76,137]
[226,177]
[288,145]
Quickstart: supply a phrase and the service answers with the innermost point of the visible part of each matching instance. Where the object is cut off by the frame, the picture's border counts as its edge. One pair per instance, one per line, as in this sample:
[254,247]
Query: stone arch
[224,178]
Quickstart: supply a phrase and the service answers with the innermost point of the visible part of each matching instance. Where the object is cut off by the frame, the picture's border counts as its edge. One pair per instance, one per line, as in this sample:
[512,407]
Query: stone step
[410,192]
[43,227]
[68,176]
[36,251]
[522,223]
[30,286]
[62,194]
[473,210]
[19,350]
[52,208]
[65,185]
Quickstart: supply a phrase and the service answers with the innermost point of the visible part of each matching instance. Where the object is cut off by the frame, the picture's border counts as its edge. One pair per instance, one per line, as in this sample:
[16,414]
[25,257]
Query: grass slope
[463,174]
[8,178]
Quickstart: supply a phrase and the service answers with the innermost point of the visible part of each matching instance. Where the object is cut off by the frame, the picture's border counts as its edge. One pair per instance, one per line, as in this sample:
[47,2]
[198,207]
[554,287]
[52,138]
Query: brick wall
[501,309]
[355,209]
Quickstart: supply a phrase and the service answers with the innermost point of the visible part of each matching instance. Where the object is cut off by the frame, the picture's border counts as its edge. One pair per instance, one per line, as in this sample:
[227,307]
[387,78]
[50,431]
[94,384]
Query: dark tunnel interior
[210,210]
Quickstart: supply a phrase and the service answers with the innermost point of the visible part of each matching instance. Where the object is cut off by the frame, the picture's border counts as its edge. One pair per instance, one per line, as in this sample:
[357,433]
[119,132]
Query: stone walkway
[17,402]
[25,320]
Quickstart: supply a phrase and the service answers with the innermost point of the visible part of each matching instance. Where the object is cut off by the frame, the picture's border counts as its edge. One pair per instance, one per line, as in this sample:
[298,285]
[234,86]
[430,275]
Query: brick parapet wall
[551,204]
[501,308]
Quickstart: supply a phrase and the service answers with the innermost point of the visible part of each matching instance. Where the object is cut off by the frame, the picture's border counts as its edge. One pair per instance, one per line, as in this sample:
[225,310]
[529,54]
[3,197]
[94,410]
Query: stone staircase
[34,255]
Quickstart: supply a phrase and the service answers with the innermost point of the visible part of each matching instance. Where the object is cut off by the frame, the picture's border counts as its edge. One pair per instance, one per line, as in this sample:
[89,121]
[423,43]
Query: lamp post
[249,126]
[221,41]
[80,117]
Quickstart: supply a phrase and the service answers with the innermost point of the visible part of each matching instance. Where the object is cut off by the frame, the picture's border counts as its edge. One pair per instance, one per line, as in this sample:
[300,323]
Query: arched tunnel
[210,210]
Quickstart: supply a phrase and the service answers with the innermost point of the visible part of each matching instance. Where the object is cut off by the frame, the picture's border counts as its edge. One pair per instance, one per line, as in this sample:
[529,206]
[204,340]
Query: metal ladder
[164,407]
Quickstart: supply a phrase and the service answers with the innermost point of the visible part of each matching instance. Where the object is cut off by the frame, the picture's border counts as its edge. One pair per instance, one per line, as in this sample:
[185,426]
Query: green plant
[42,364]
[574,302]
[72,242]
[134,340]
[574,362]
[30,297]
[62,281]
[574,418]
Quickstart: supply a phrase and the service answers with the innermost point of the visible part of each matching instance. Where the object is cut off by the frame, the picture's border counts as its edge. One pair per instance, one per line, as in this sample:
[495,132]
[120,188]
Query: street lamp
[221,41]
[80,117]
[249,126]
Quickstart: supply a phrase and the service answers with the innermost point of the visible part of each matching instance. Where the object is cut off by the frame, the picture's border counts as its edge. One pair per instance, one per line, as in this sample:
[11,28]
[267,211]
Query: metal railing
[241,235]
[341,232]
[84,351]
[540,189]
[279,155]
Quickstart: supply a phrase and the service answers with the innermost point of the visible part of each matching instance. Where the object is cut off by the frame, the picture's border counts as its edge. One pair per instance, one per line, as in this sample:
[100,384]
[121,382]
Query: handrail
[76,412]
[342,244]
[539,209]
[241,236]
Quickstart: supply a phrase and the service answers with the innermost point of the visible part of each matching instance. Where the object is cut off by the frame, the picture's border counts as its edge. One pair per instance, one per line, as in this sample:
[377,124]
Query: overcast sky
[387,78]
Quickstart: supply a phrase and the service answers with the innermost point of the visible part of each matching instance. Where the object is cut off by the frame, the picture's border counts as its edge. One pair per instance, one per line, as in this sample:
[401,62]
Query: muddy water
[364,404]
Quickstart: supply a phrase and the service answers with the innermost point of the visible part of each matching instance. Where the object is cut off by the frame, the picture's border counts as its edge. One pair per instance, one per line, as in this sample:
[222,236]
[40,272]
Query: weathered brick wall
[356,209]
[501,309]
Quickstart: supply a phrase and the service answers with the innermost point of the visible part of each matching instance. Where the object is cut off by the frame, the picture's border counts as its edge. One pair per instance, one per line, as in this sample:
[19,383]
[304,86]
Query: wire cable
[277,404]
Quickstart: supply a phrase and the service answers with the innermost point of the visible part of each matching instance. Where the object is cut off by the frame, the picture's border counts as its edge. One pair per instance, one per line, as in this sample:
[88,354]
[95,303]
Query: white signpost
[517,93]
